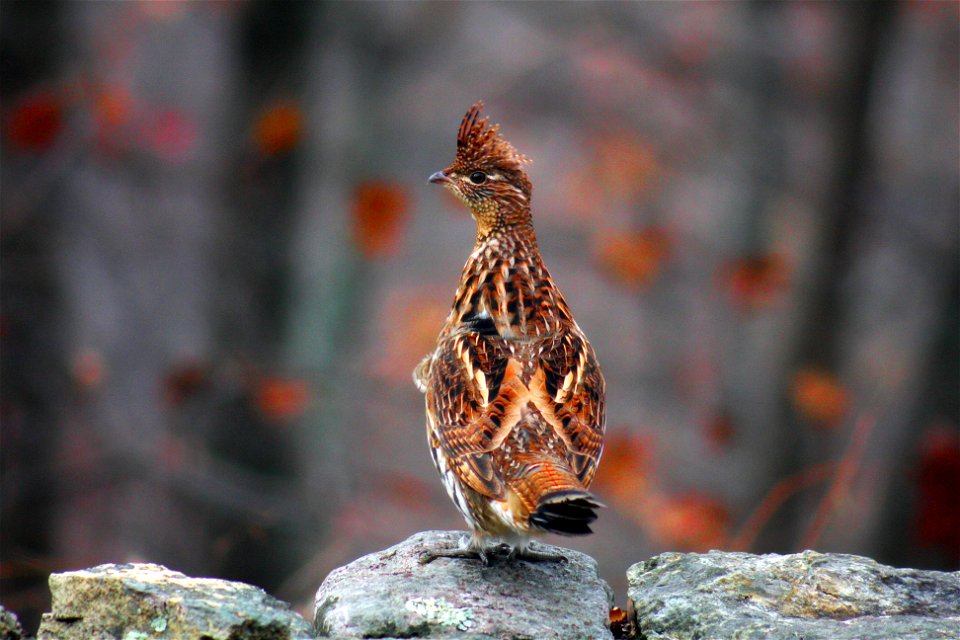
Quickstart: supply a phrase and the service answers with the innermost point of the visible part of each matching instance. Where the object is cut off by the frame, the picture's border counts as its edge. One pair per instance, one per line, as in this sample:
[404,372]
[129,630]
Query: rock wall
[147,601]
[807,595]
[10,628]
[393,594]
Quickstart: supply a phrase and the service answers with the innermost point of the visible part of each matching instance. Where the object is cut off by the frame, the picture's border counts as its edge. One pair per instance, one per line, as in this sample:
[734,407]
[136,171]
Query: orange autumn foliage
[819,397]
[171,134]
[621,169]
[756,282]
[282,398]
[88,369]
[625,167]
[691,522]
[627,483]
[185,380]
[624,474]
[409,332]
[620,624]
[407,491]
[112,107]
[719,430]
[379,217]
[278,129]
[113,111]
[633,258]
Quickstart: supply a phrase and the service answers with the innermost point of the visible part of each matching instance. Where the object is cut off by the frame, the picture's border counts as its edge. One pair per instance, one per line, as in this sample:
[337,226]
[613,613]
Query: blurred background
[221,261]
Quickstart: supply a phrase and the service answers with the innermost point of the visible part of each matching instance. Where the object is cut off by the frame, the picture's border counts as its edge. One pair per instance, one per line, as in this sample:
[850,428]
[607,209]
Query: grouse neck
[508,242]
[506,288]
[504,217]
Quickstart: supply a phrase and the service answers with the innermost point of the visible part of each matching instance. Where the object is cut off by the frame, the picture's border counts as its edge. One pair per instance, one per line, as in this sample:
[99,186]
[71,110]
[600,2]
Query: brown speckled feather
[514,393]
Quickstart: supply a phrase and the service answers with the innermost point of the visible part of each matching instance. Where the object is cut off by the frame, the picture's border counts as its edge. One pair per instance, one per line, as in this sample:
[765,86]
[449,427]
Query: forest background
[221,261]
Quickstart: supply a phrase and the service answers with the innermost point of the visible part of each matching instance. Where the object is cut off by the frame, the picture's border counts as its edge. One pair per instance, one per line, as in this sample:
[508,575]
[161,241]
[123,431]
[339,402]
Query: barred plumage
[514,393]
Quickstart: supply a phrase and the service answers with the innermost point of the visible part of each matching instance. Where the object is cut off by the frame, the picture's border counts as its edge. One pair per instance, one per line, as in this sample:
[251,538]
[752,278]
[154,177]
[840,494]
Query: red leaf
[35,122]
[278,129]
[720,430]
[621,169]
[172,135]
[184,381]
[625,471]
[633,258]
[625,167]
[756,282]
[407,491]
[692,522]
[619,623]
[379,217]
[113,110]
[937,521]
[88,369]
[112,106]
[819,397]
[282,399]
[409,324]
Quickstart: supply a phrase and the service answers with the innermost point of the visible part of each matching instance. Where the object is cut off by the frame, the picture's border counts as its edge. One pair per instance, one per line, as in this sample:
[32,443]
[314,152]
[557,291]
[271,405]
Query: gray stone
[809,596]
[391,594]
[150,602]
[10,628]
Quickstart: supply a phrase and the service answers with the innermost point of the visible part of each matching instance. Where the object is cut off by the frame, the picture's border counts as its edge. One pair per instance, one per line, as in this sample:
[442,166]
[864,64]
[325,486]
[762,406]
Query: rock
[391,594]
[10,628]
[150,602]
[807,595]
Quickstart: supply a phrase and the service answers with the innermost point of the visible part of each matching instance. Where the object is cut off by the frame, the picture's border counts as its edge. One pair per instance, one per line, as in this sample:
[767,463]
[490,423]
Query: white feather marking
[482,386]
[502,510]
[452,485]
[564,389]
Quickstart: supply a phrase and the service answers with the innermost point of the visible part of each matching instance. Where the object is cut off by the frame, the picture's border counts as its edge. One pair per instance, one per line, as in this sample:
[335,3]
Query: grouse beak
[438,178]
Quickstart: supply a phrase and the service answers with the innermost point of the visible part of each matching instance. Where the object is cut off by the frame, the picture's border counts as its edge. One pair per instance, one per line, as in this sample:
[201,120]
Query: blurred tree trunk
[864,27]
[134,255]
[34,381]
[153,288]
[261,545]
[332,285]
[899,284]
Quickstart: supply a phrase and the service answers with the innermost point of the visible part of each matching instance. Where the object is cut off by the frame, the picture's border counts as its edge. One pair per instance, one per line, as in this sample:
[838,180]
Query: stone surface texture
[10,628]
[150,602]
[809,595]
[390,594]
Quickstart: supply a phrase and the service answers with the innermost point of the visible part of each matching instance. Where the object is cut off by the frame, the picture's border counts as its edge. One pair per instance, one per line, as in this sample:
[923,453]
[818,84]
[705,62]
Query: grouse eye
[478,177]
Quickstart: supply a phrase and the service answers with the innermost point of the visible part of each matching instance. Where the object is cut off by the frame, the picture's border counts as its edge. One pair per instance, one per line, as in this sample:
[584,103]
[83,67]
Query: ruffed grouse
[514,393]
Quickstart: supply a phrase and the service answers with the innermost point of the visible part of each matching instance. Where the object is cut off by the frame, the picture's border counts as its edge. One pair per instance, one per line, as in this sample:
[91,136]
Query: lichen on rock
[390,594]
[807,595]
[440,611]
[151,602]
[10,628]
